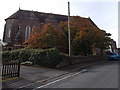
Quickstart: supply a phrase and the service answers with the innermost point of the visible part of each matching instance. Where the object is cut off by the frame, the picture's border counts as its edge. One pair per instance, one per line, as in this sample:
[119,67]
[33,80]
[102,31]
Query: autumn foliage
[84,34]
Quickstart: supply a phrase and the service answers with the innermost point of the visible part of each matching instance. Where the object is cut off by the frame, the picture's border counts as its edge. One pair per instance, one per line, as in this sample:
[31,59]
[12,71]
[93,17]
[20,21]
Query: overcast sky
[104,13]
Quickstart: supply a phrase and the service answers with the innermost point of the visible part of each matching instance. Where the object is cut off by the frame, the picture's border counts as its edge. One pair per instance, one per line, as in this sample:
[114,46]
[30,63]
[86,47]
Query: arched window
[9,30]
[27,32]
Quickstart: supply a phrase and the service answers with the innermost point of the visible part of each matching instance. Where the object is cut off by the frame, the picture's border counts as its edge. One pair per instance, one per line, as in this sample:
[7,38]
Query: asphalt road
[99,76]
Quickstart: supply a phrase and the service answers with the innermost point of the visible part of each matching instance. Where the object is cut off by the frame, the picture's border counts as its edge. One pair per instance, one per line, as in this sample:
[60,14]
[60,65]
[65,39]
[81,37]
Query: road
[99,76]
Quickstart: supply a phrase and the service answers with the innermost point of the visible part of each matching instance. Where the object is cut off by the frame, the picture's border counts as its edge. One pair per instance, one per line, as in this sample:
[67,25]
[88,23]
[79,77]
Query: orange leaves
[44,39]
[84,33]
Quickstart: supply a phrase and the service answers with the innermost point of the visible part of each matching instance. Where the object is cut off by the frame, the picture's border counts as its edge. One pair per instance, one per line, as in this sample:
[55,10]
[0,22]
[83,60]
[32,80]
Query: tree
[34,41]
[84,35]
[49,37]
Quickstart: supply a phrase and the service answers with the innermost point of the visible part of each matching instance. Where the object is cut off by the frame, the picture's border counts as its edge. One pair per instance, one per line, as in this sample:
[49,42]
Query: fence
[11,69]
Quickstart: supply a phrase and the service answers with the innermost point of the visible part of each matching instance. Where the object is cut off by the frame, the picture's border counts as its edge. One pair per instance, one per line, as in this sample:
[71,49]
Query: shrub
[47,57]
[24,54]
[13,55]
[53,57]
[5,56]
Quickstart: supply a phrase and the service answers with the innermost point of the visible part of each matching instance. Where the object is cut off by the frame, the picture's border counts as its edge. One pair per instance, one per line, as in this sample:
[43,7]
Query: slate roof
[42,16]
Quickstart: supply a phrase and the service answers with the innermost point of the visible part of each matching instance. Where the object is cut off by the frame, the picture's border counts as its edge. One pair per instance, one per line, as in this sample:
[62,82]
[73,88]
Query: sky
[104,13]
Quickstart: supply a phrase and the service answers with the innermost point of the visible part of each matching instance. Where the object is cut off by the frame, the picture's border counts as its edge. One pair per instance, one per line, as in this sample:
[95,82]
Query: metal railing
[10,69]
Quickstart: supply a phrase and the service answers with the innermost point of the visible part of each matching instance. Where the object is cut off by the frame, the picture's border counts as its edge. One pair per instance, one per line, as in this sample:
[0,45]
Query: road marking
[61,79]
[9,79]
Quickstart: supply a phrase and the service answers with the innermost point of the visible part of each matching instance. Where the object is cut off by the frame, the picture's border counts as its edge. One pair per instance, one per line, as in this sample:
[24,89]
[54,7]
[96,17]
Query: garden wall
[80,59]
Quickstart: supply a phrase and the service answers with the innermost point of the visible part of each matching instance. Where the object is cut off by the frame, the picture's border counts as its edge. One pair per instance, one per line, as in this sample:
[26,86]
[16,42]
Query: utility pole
[69,29]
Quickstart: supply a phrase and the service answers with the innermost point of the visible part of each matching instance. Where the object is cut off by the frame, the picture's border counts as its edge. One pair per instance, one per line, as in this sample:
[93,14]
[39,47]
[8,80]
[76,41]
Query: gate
[10,69]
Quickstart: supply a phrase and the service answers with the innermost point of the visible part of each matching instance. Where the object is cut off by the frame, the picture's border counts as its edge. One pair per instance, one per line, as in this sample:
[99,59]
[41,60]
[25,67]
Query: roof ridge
[16,14]
[41,12]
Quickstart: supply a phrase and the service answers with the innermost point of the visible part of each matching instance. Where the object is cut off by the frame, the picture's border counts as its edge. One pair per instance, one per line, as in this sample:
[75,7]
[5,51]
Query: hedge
[22,54]
[48,57]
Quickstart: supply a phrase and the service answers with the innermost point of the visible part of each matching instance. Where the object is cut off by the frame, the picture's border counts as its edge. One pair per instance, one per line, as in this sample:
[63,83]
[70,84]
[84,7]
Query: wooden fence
[10,69]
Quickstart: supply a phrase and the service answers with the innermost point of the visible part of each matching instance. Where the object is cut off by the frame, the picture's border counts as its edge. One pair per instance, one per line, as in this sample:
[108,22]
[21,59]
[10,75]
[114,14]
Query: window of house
[27,32]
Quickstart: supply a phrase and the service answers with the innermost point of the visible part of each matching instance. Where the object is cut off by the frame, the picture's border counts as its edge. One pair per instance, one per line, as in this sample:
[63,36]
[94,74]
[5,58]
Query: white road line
[60,79]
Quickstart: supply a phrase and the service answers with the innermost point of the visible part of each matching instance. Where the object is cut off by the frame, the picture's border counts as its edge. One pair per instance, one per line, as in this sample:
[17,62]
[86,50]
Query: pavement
[30,75]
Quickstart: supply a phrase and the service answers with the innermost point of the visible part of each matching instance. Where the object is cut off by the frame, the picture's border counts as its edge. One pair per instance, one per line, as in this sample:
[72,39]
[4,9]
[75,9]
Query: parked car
[113,56]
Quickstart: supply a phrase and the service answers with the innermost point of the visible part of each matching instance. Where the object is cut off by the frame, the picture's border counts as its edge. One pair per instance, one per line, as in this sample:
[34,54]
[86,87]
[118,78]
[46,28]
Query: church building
[19,25]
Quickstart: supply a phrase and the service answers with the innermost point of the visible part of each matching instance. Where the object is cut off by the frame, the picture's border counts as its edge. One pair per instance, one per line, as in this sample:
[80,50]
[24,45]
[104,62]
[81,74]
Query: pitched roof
[16,15]
[42,16]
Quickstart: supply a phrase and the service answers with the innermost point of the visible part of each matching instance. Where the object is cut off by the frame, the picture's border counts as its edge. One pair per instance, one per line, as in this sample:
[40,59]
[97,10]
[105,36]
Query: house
[113,46]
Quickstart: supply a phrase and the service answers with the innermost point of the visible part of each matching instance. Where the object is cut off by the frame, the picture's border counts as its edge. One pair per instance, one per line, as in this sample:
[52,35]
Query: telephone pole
[69,29]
